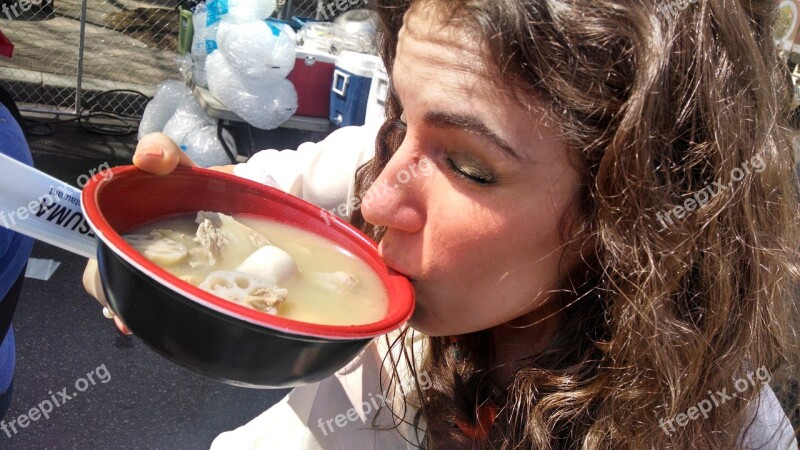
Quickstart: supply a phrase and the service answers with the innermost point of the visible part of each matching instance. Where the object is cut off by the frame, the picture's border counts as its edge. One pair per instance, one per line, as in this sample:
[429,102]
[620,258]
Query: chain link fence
[61,63]
[64,64]
[320,9]
[307,8]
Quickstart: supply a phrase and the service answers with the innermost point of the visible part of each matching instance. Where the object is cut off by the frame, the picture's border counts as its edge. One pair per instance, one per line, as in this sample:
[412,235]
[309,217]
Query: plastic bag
[239,11]
[188,117]
[185,64]
[262,105]
[204,37]
[204,148]
[332,38]
[260,50]
[168,96]
[199,19]
[202,41]
[199,73]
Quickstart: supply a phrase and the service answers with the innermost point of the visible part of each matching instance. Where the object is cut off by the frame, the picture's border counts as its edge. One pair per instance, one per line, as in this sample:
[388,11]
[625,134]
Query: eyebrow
[471,124]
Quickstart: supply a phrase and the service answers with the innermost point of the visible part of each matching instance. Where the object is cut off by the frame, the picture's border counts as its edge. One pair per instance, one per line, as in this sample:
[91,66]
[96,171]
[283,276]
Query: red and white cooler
[312,77]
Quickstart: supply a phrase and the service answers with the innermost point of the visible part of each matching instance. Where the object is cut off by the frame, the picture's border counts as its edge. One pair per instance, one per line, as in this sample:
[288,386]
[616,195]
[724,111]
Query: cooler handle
[337,75]
[382,91]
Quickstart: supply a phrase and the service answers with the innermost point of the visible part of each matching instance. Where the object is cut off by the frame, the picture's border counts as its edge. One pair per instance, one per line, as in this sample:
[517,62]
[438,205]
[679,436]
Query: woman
[603,244]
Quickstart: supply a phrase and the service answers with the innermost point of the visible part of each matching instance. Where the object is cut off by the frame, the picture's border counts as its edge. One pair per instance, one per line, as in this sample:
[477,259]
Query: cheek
[484,270]
[501,235]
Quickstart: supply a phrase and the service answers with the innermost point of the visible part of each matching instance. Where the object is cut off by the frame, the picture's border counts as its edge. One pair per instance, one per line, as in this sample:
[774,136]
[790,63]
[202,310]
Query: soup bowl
[199,330]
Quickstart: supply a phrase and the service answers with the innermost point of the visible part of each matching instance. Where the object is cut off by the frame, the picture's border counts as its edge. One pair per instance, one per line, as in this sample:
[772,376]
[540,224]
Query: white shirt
[340,411]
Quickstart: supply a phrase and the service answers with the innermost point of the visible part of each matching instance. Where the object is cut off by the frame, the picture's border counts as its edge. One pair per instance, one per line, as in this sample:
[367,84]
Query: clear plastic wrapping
[162,107]
[332,38]
[257,49]
[204,148]
[239,11]
[262,105]
[188,117]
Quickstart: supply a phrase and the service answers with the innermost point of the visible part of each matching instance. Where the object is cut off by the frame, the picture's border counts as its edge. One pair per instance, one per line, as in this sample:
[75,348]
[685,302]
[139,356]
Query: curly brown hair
[657,106]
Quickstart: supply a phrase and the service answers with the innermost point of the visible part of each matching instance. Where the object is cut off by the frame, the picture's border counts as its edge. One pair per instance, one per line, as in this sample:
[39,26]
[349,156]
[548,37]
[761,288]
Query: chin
[419,323]
[430,327]
[436,323]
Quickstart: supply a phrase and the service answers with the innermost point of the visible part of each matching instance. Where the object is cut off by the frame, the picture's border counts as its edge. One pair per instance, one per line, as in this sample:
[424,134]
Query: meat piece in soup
[222,236]
[267,266]
[163,251]
[336,281]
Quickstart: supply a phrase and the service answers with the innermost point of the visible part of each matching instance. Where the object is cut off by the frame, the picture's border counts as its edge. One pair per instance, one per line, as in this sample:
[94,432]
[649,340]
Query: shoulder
[346,410]
[347,142]
[357,137]
[770,427]
[321,172]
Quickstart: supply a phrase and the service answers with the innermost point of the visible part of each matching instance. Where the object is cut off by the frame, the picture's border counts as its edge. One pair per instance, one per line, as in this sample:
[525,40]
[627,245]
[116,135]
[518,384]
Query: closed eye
[469,174]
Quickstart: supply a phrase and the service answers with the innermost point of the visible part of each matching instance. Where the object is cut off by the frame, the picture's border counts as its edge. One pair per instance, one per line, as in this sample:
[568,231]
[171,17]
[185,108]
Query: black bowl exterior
[212,343]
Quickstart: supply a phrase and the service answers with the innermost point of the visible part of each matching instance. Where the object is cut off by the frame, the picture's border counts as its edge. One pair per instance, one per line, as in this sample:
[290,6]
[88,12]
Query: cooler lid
[309,54]
[360,64]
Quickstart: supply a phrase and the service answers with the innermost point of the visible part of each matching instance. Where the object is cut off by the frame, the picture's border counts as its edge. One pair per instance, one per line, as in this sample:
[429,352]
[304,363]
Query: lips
[396,268]
[392,264]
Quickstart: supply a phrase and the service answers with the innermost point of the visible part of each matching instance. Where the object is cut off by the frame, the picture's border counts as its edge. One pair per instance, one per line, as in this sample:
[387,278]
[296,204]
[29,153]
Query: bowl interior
[130,198]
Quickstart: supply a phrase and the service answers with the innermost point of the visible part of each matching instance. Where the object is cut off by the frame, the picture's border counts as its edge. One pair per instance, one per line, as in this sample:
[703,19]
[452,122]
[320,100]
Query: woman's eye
[470,172]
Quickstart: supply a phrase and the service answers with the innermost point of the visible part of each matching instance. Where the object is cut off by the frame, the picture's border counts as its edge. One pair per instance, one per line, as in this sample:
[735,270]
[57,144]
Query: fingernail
[151,152]
[121,326]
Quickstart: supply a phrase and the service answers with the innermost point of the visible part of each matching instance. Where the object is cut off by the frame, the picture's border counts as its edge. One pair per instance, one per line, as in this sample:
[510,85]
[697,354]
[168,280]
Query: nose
[396,199]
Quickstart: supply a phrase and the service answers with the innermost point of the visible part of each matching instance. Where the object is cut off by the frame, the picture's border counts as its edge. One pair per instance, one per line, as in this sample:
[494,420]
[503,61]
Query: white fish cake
[270,263]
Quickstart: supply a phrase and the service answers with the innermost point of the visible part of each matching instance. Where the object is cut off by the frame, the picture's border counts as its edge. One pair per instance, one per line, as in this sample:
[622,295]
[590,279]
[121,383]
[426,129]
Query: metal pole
[287,10]
[79,90]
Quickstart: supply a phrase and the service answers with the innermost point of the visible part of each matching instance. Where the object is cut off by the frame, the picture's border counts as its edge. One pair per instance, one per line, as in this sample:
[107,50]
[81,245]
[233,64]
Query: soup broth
[266,265]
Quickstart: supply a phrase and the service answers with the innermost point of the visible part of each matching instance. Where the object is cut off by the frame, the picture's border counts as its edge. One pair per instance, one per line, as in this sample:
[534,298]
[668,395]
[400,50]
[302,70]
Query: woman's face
[473,198]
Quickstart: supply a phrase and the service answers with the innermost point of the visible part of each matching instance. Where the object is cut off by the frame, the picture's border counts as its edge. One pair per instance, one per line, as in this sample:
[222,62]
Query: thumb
[156,153]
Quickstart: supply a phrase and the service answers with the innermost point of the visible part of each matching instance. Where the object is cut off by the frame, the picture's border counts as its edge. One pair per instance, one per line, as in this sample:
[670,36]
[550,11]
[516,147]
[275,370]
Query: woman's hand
[158,154]
[92,284]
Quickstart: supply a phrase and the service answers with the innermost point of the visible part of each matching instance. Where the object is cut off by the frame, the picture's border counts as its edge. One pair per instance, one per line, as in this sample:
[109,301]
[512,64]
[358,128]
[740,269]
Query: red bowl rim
[398,286]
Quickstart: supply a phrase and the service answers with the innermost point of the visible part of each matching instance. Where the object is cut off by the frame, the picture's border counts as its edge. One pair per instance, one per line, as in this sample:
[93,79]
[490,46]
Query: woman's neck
[522,338]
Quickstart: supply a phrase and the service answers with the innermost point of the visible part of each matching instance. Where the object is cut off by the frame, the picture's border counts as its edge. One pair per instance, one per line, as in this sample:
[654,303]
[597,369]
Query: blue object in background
[349,95]
[14,247]
[350,90]
[14,250]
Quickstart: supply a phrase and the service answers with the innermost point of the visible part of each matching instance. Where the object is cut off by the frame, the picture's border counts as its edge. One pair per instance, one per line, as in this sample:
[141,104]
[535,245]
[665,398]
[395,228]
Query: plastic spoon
[44,208]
